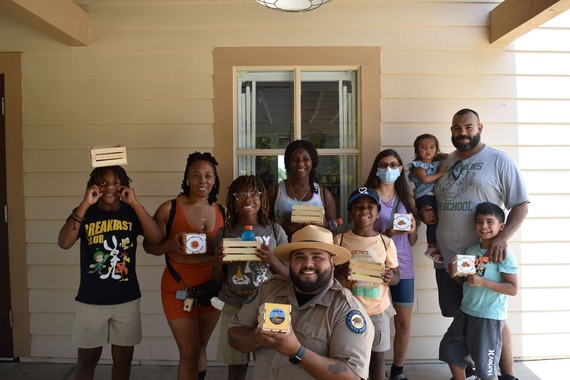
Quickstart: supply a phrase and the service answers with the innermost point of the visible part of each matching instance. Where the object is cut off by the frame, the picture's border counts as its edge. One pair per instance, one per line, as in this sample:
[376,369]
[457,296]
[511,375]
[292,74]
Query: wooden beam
[513,18]
[59,19]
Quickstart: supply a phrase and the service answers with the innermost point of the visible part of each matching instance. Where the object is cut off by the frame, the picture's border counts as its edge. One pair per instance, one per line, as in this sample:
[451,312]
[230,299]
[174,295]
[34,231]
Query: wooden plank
[60,19]
[513,18]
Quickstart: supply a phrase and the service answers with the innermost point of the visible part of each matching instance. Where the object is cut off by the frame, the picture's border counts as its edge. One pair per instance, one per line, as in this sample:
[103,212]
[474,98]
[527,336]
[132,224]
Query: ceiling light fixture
[293,5]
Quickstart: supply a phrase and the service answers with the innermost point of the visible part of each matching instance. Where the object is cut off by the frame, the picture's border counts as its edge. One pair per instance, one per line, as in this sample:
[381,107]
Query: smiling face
[311,269]
[364,211]
[247,204]
[300,163]
[109,186]
[201,178]
[488,227]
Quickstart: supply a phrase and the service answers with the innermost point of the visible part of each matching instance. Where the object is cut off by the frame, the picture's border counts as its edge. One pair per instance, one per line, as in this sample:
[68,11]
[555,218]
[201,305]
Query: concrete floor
[526,370]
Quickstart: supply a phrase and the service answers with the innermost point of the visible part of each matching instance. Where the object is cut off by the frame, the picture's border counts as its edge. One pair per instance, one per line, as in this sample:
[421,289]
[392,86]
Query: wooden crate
[108,156]
[307,214]
[367,271]
[275,317]
[239,250]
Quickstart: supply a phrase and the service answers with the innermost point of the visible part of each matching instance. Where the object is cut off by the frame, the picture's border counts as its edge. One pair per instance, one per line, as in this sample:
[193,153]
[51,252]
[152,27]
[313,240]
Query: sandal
[433,254]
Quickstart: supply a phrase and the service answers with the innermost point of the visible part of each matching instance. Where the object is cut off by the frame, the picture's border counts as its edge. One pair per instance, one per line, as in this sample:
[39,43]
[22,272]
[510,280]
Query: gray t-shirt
[243,277]
[488,176]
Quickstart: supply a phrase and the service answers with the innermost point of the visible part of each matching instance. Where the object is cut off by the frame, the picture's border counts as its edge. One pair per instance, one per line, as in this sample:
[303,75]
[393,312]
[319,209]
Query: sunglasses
[243,195]
[456,169]
[391,165]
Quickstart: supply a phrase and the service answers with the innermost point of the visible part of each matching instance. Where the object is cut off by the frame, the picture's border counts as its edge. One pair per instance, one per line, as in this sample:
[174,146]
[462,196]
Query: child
[484,303]
[247,204]
[108,221]
[362,240]
[424,171]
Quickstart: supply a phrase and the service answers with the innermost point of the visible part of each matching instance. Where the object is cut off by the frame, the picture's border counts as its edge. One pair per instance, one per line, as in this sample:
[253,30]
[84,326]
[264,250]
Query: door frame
[11,67]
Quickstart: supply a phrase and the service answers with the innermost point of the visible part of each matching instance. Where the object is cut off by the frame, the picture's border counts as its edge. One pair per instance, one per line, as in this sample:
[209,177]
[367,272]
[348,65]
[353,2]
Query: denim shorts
[403,293]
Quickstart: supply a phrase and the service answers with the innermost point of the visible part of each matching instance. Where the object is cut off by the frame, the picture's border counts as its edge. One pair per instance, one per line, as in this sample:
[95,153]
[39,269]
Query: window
[271,113]
[267,97]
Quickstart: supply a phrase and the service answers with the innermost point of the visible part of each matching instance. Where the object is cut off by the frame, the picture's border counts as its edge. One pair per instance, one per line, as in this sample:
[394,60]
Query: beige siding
[146,81]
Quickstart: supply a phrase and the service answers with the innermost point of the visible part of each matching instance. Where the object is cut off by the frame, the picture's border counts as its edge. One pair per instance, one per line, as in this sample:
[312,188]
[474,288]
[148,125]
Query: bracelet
[76,217]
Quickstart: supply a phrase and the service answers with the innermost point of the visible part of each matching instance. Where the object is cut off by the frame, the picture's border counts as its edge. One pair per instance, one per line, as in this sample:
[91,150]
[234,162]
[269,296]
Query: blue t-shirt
[421,188]
[480,301]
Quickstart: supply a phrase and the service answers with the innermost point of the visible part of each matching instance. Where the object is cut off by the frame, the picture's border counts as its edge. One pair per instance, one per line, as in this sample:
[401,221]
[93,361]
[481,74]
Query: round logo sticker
[356,322]
[277,316]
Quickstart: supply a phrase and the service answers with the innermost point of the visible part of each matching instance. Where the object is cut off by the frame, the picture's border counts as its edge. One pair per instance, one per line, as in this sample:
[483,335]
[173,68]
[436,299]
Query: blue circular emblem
[251,297]
[356,322]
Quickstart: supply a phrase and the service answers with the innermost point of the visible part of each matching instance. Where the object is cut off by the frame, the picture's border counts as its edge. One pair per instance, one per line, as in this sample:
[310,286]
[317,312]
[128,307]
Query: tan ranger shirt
[332,324]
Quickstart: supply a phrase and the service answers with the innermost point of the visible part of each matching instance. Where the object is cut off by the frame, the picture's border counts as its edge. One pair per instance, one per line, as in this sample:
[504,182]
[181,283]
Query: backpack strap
[171,217]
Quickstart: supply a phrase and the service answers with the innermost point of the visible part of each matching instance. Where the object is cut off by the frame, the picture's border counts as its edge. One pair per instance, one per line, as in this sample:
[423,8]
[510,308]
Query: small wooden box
[108,156]
[307,214]
[367,271]
[402,222]
[239,250]
[194,243]
[275,317]
[463,265]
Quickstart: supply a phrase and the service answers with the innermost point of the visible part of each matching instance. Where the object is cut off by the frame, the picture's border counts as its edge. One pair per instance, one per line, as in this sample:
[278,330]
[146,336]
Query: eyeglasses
[243,195]
[456,169]
[391,165]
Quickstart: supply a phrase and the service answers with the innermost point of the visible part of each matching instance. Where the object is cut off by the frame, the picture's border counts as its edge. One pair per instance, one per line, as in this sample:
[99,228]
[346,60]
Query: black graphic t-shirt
[108,260]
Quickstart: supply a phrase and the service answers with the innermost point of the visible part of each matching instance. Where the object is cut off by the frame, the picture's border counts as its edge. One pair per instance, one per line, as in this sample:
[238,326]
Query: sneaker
[433,254]
[471,372]
[399,376]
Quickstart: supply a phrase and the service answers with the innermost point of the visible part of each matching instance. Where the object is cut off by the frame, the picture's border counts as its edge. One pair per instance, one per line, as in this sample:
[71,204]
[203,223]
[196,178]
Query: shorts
[450,294]
[97,325]
[403,293]
[479,338]
[192,274]
[226,353]
[382,329]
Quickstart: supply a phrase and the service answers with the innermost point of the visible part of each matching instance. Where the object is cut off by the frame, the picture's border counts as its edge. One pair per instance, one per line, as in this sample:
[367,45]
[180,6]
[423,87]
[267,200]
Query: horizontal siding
[146,81]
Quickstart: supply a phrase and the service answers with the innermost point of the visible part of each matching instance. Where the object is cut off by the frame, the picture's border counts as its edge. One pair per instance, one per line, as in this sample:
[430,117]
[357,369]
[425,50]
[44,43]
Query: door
[6,341]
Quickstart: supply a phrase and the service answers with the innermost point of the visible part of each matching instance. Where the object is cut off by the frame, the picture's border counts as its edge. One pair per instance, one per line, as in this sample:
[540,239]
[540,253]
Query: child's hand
[127,194]
[474,280]
[387,276]
[266,254]
[92,195]
[220,254]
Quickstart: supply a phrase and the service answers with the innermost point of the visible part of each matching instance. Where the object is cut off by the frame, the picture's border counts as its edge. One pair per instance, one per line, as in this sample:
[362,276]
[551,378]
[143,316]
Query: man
[330,336]
[476,173]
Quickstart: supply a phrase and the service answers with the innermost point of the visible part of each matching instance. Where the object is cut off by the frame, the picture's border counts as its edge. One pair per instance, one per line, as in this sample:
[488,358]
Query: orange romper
[192,274]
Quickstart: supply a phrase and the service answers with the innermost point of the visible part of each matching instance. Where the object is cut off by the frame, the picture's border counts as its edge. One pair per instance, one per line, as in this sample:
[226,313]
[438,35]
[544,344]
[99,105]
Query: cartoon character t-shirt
[108,260]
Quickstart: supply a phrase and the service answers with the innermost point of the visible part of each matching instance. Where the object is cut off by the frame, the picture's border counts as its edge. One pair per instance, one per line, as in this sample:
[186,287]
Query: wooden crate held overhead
[108,156]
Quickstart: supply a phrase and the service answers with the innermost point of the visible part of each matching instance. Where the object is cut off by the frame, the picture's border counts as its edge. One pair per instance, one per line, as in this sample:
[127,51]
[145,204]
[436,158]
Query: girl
[247,205]
[424,171]
[194,211]
[385,176]
[108,221]
[300,187]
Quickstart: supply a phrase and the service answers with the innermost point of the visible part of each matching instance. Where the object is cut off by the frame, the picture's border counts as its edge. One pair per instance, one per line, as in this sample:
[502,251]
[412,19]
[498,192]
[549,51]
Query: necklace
[293,192]
[203,218]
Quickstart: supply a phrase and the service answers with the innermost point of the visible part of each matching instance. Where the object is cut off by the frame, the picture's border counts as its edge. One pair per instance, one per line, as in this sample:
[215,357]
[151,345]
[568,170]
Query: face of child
[247,201]
[364,211]
[427,149]
[488,226]
[109,186]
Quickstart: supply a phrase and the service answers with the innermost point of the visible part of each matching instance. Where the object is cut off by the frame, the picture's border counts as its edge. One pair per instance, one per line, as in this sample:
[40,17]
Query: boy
[484,303]
[108,221]
[366,244]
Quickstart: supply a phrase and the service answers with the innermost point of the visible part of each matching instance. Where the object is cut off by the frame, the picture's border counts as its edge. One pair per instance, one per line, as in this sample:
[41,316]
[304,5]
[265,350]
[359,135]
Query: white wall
[146,81]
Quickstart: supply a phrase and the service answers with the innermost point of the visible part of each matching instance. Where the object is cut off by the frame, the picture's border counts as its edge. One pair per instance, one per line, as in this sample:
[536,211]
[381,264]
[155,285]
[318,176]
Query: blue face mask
[388,175]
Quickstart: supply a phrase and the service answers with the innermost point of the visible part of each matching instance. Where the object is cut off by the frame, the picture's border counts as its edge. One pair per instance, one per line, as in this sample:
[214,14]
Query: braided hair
[195,157]
[98,175]
[250,183]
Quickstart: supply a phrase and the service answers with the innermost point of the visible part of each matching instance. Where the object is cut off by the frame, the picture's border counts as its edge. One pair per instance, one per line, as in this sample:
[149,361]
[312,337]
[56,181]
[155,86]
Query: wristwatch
[298,357]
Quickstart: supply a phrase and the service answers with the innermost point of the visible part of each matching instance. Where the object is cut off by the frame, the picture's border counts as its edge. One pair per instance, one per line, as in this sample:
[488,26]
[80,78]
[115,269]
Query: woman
[300,188]
[194,211]
[395,196]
